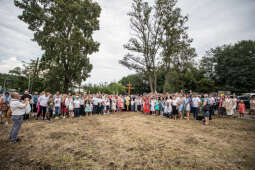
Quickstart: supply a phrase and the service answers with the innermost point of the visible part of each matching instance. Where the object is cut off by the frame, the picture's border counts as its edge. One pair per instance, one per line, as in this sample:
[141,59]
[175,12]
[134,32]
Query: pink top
[241,108]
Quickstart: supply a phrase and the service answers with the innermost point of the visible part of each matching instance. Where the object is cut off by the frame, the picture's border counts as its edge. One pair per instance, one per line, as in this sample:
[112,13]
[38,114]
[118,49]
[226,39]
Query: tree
[17,71]
[145,22]
[231,66]
[176,54]
[64,30]
[112,88]
[139,82]
[32,70]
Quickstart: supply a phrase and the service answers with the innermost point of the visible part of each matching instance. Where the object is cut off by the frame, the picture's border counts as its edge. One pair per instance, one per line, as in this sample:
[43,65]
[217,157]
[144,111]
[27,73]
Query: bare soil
[130,141]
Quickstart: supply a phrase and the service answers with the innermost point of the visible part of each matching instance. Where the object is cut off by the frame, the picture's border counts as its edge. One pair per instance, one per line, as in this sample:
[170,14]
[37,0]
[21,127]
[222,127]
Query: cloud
[211,23]
[9,64]
[15,36]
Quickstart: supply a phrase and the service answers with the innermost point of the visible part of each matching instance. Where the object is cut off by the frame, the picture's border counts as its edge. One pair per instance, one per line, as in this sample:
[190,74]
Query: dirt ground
[130,141]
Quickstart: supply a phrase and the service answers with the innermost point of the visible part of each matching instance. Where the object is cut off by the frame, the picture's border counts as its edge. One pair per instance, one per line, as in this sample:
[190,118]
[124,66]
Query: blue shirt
[35,98]
[7,99]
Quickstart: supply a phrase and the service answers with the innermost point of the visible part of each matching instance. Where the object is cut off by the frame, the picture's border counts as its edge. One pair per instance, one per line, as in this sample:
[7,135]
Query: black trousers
[34,108]
[139,108]
[82,112]
[42,110]
[95,109]
[26,115]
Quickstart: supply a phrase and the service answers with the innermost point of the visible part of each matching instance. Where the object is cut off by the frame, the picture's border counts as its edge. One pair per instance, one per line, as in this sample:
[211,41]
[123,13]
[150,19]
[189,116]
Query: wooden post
[129,87]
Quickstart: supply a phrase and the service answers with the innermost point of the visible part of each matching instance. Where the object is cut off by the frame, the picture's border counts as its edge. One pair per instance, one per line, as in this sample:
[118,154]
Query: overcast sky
[211,23]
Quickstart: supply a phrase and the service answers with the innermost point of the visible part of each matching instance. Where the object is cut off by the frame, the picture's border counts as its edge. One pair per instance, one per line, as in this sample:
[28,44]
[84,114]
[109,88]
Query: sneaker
[17,140]
[64,117]
[56,118]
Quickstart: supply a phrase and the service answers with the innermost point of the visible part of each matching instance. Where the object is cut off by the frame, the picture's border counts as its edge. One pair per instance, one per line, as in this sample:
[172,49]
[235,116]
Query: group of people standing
[46,106]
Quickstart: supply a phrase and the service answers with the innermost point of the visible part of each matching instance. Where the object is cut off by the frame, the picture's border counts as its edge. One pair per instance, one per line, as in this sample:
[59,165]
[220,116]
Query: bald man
[18,110]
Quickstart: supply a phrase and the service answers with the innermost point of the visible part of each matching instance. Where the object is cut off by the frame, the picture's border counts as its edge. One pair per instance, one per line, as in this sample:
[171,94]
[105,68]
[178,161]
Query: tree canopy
[231,66]
[63,29]
[159,40]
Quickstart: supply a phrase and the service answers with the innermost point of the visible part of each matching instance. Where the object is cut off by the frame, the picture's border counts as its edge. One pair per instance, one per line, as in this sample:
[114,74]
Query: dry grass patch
[130,141]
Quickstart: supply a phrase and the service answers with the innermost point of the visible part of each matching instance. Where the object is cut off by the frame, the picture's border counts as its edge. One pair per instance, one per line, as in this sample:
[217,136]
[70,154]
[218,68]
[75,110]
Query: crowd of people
[177,106]
[181,105]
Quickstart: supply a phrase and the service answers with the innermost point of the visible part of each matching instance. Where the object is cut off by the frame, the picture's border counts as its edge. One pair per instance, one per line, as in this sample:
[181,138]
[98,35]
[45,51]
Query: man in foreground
[18,110]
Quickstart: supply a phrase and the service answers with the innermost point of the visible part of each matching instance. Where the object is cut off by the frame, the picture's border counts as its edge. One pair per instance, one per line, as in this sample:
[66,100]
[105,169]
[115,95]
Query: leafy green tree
[139,82]
[231,66]
[176,51]
[159,41]
[112,88]
[145,23]
[64,30]
[116,88]
[17,71]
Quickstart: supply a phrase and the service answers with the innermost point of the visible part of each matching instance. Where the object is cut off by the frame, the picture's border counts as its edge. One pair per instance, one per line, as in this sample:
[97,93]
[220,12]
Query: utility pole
[35,73]
[28,88]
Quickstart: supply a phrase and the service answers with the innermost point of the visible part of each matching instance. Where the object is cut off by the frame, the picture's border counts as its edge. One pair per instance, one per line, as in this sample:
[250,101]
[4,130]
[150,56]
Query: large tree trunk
[155,81]
[66,84]
[166,82]
[151,83]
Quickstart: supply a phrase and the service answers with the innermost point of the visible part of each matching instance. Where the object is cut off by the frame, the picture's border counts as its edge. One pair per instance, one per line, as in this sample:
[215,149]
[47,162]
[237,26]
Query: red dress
[241,108]
[146,105]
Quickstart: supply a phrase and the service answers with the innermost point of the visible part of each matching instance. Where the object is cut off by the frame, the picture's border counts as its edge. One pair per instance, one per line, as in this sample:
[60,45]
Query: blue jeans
[132,108]
[206,113]
[195,112]
[57,111]
[17,122]
[76,112]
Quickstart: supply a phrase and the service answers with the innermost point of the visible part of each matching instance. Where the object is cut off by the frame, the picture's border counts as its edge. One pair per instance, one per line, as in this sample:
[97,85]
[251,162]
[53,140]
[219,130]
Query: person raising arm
[18,110]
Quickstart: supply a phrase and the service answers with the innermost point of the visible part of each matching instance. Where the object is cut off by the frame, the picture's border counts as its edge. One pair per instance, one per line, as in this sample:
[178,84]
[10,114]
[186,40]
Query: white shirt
[95,101]
[43,100]
[212,100]
[57,102]
[99,100]
[137,101]
[195,101]
[67,102]
[76,103]
[178,99]
[82,101]
[169,101]
[175,102]
[17,107]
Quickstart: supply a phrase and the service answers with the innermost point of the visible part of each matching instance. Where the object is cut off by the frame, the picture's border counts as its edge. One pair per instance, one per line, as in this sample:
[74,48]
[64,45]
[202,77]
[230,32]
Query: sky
[211,23]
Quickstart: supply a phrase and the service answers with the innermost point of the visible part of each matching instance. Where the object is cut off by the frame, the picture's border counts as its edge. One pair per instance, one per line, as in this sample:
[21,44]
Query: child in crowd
[50,108]
[107,104]
[241,108]
[87,107]
[153,106]
[57,105]
[156,106]
[114,105]
[70,106]
[168,110]
[77,106]
[90,108]
[132,105]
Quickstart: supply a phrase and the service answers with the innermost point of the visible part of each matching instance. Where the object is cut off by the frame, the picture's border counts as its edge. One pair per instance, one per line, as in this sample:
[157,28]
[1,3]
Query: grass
[130,141]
